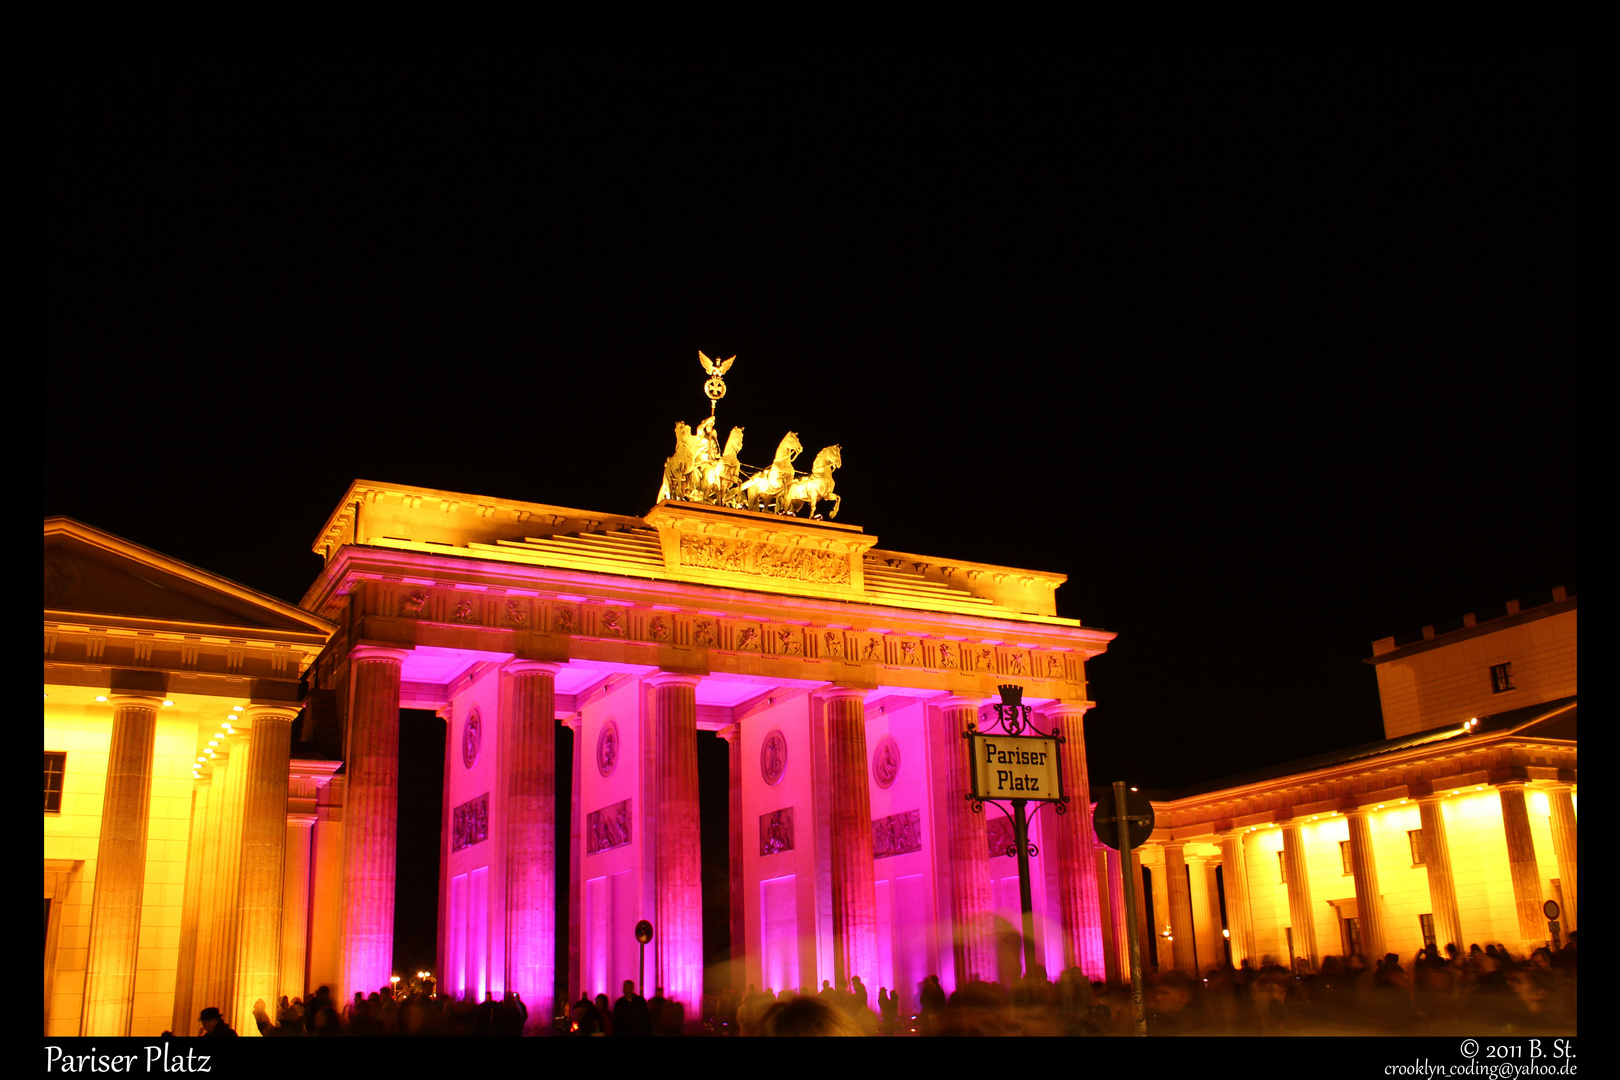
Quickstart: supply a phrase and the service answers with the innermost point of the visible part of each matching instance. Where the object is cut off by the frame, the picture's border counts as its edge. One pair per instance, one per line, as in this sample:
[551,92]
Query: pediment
[92,573]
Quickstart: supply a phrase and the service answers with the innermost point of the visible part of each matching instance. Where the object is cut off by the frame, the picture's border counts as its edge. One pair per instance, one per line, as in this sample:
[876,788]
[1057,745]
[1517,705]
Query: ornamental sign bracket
[1022,765]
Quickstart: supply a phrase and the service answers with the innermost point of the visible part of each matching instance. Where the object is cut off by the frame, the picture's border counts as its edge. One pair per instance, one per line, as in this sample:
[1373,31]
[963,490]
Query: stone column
[115,905]
[1437,862]
[185,970]
[735,899]
[370,820]
[1364,868]
[528,762]
[1108,913]
[972,904]
[1521,850]
[295,904]
[576,872]
[854,902]
[1299,896]
[1239,915]
[675,834]
[231,770]
[1144,931]
[1206,913]
[264,864]
[1118,866]
[1180,901]
[1081,912]
[1561,803]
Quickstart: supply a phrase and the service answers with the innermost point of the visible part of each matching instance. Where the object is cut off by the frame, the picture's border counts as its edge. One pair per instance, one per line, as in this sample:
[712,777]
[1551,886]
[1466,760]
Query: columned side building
[178,813]
[1458,827]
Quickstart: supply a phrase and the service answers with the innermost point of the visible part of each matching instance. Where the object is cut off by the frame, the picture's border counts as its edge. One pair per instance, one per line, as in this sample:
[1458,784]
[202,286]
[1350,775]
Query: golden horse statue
[815,487]
[772,482]
[699,471]
[721,479]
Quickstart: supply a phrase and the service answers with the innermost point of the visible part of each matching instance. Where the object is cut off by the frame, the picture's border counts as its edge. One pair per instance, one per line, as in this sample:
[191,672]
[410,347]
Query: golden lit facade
[1456,829]
[170,788]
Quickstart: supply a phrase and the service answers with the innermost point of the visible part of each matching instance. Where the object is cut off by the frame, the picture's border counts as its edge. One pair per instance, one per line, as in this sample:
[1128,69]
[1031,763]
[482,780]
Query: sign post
[644,934]
[1124,820]
[1020,768]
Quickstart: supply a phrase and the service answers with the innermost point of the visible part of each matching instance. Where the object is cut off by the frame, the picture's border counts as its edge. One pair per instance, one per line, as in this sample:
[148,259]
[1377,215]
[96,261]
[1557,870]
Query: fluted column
[1561,803]
[1081,913]
[1119,943]
[576,874]
[675,834]
[1145,934]
[1364,869]
[115,905]
[1108,914]
[854,902]
[231,770]
[295,903]
[1299,896]
[972,904]
[264,863]
[1437,862]
[738,909]
[370,819]
[1206,913]
[529,726]
[190,910]
[1521,851]
[1239,915]
[1181,916]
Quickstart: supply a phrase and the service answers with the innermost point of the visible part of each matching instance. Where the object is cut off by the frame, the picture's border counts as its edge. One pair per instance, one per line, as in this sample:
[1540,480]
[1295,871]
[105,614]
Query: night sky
[1273,353]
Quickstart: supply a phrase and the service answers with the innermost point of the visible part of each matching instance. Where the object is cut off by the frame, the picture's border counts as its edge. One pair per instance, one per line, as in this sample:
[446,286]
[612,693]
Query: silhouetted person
[214,1025]
[630,1014]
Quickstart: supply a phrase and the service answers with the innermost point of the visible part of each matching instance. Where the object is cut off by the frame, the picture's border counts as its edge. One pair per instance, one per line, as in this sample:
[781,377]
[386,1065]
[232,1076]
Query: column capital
[255,713]
[378,652]
[1511,783]
[572,722]
[303,821]
[147,701]
[1351,808]
[729,733]
[959,701]
[1063,709]
[672,678]
[839,692]
[532,667]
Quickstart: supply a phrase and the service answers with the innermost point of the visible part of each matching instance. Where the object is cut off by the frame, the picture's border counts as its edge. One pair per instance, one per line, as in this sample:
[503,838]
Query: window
[1426,924]
[1282,868]
[1344,856]
[55,765]
[1501,677]
[1414,837]
[1351,936]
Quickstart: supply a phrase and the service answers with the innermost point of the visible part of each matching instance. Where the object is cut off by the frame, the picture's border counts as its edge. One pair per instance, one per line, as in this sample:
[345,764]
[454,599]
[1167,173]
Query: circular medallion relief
[607,748]
[472,736]
[886,761]
[773,757]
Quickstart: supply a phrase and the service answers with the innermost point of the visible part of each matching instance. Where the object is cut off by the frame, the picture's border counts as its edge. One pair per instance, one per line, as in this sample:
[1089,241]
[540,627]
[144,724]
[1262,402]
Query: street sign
[1138,820]
[1551,910]
[644,931]
[1016,767]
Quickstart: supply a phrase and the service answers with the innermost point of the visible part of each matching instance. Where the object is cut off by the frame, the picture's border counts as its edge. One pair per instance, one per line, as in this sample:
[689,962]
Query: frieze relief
[776,831]
[897,834]
[607,828]
[469,823]
[999,832]
[765,560]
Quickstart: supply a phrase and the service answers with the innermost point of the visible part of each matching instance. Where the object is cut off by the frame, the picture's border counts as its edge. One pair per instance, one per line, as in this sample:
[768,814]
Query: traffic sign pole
[1131,932]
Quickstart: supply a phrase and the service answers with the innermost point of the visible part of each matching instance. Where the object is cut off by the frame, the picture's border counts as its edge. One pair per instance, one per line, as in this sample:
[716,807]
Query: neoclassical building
[1457,827]
[200,851]
[178,821]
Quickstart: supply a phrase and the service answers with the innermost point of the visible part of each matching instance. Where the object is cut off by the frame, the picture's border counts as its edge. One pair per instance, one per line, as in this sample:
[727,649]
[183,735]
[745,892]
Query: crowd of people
[1450,991]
